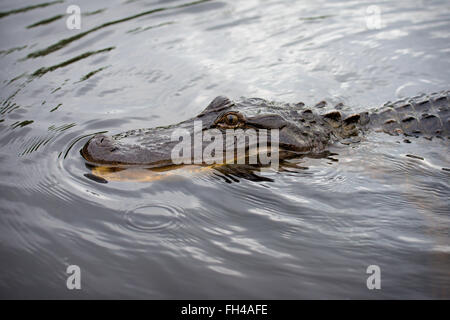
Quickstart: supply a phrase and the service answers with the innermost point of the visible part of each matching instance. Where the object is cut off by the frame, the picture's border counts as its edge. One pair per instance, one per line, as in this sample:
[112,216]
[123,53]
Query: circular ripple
[154,217]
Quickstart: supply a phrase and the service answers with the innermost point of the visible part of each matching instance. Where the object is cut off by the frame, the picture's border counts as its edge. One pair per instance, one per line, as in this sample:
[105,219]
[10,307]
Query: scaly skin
[302,130]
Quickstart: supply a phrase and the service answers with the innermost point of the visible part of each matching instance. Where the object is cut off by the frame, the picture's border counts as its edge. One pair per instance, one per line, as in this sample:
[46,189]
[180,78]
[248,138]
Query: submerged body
[302,130]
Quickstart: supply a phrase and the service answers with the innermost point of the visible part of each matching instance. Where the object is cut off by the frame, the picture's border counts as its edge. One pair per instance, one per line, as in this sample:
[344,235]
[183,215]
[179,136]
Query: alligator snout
[102,141]
[98,147]
[107,150]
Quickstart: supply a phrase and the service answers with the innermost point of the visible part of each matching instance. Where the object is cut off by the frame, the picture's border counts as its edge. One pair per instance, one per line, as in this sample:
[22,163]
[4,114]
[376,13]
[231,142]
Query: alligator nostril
[101,141]
[114,149]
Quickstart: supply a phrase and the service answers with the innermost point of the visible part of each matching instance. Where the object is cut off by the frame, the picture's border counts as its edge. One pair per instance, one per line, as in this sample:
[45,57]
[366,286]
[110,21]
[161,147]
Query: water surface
[310,233]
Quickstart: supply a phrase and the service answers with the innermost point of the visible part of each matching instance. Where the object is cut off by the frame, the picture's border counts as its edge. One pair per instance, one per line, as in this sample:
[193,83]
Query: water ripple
[154,218]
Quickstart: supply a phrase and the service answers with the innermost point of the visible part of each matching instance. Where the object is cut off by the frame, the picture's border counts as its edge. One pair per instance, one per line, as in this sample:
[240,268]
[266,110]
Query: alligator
[302,130]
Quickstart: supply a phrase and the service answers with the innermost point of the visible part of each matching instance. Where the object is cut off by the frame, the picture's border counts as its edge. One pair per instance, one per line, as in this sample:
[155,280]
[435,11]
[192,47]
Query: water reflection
[62,43]
[307,231]
[40,72]
[24,9]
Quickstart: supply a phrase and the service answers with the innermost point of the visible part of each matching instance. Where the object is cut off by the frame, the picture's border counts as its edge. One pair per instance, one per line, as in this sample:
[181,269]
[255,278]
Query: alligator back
[427,115]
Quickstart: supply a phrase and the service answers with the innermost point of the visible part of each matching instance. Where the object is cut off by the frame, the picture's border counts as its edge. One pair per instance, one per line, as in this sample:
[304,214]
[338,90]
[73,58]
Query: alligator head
[300,131]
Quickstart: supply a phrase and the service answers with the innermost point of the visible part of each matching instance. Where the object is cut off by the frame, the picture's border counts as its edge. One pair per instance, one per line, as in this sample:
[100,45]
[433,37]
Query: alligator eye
[231,119]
